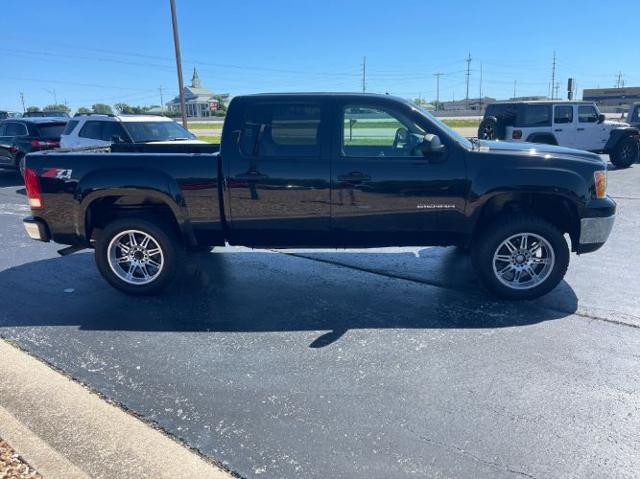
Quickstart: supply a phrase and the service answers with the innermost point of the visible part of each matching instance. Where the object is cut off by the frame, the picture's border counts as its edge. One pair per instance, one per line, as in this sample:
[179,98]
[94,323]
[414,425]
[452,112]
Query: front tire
[520,257]
[626,152]
[137,256]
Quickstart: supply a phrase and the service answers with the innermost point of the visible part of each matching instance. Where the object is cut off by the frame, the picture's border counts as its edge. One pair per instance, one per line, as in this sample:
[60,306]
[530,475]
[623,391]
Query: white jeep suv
[93,130]
[573,124]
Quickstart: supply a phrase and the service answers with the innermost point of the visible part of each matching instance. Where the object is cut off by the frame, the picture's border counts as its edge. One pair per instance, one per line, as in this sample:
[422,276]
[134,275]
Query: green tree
[125,109]
[102,108]
[33,109]
[84,109]
[58,107]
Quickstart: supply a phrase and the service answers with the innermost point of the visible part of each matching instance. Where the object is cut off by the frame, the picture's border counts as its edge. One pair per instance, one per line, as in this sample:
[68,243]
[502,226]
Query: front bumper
[36,229]
[594,232]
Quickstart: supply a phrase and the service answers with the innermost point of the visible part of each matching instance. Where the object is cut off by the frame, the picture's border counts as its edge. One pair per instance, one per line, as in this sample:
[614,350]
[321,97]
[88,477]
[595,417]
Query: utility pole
[176,42]
[620,82]
[515,87]
[553,75]
[161,100]
[468,60]
[22,100]
[480,92]
[364,74]
[556,88]
[437,75]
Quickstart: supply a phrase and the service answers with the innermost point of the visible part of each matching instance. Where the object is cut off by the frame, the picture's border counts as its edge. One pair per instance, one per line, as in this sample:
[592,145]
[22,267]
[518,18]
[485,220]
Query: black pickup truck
[325,170]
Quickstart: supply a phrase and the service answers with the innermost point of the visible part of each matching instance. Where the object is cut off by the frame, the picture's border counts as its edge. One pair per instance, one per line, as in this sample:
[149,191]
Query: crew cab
[325,170]
[575,124]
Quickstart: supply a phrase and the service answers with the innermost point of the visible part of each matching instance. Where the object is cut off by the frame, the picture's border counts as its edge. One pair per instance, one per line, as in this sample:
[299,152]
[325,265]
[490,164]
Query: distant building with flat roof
[612,96]
[470,104]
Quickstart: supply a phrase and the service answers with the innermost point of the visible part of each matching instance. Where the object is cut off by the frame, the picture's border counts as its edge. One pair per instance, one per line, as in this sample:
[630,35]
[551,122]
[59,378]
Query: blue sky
[109,51]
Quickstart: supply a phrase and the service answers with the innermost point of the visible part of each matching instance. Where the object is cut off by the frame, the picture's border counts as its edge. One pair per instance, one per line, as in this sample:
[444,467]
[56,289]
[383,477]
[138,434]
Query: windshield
[443,126]
[145,131]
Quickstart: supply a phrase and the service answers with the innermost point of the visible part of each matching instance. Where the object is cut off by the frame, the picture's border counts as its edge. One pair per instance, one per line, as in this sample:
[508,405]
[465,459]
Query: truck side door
[564,126]
[385,191]
[277,180]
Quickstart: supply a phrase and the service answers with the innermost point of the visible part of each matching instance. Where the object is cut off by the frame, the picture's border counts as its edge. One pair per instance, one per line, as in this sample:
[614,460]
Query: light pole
[176,42]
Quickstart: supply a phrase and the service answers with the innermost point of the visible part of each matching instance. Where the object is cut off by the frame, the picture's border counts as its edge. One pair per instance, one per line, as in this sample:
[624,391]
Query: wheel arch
[558,209]
[618,134]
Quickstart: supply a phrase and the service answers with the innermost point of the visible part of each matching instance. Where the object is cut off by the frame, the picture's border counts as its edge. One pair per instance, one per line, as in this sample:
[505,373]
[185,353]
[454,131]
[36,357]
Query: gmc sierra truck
[325,170]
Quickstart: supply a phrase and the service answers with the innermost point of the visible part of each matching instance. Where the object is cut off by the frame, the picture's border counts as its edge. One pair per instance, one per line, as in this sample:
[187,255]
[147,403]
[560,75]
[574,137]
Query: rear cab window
[281,129]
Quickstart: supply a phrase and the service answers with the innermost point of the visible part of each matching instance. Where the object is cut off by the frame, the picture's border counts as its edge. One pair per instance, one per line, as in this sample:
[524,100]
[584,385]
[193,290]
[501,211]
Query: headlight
[600,179]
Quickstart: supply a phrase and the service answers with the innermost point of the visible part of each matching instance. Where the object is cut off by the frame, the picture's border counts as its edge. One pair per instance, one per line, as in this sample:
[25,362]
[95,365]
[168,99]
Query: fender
[488,185]
[537,137]
[138,182]
[619,133]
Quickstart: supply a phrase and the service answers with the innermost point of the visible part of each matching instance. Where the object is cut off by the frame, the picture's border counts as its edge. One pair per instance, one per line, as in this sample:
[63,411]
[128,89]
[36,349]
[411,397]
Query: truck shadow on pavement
[259,291]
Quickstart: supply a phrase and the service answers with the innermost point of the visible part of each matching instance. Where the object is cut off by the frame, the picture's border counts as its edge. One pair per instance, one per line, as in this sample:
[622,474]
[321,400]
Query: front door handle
[580,129]
[558,129]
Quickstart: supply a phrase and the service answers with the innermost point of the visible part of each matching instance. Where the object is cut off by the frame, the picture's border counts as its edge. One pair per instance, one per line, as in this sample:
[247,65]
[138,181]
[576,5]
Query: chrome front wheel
[523,261]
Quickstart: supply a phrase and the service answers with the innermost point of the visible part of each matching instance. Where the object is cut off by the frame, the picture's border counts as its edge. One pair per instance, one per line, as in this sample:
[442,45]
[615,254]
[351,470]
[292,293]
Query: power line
[468,60]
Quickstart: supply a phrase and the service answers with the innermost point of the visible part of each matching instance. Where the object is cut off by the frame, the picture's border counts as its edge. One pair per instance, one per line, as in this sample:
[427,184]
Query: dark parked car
[325,170]
[25,135]
[9,114]
[46,114]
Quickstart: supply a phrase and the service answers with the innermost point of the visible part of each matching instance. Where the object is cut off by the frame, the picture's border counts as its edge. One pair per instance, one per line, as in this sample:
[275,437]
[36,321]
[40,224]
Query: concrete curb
[64,430]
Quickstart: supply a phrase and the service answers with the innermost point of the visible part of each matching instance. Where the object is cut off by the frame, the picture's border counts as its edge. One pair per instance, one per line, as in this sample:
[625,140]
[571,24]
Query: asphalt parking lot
[378,363]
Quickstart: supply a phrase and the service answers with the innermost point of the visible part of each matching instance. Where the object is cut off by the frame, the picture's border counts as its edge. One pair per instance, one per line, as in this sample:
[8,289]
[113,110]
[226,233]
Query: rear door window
[15,129]
[111,129]
[91,129]
[272,130]
[536,115]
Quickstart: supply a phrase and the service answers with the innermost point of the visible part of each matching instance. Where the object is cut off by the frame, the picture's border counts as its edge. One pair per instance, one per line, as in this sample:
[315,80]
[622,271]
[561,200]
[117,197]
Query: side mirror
[431,145]
[601,118]
[117,139]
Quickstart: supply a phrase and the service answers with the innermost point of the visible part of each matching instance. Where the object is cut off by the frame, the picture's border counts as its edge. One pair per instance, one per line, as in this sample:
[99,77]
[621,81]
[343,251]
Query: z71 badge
[60,173]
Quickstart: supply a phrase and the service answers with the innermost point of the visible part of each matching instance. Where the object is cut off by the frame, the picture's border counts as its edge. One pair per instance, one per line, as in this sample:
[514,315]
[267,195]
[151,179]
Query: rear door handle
[580,129]
[558,129]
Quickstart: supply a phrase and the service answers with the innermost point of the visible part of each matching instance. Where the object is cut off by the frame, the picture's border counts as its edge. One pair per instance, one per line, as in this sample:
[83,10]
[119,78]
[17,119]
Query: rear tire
[139,257]
[20,164]
[491,129]
[626,152]
[513,268]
